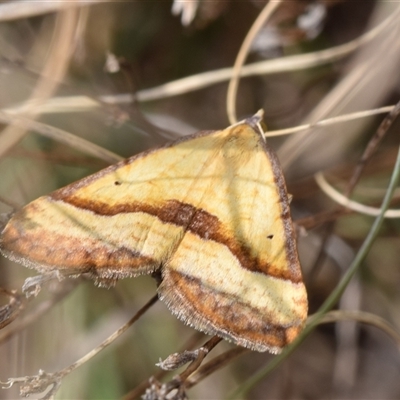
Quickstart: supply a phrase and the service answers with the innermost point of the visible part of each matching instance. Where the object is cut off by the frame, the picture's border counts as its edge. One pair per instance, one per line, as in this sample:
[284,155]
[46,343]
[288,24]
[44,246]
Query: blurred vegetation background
[87,68]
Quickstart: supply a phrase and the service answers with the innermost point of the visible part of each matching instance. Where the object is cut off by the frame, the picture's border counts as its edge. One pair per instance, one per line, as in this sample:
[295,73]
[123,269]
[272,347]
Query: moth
[209,213]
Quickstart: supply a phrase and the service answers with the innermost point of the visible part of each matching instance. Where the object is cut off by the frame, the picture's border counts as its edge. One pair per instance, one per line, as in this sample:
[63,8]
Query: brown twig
[372,147]
[158,390]
[10,311]
[38,383]
[204,350]
[214,365]
[140,389]
[40,310]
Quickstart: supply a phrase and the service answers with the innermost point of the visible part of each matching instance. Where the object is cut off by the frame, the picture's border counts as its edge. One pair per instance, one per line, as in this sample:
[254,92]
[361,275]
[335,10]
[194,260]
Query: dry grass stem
[141,388]
[52,74]
[111,338]
[330,121]
[39,383]
[363,317]
[214,365]
[10,311]
[372,147]
[265,14]
[199,81]
[351,93]
[61,136]
[33,315]
[12,10]
[344,201]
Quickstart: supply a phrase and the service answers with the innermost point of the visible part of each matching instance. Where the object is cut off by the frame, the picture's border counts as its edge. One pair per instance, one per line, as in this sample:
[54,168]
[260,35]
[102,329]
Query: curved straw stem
[242,55]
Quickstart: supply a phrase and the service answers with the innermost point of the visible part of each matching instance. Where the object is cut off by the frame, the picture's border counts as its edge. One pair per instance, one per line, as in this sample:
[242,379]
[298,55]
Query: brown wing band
[197,221]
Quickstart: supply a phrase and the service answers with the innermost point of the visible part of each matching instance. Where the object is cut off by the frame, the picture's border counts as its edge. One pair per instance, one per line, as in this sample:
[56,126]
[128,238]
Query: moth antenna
[260,128]
[256,121]
[260,116]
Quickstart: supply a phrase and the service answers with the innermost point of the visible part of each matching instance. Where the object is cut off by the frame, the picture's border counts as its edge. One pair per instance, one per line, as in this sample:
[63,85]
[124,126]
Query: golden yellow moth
[209,211]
